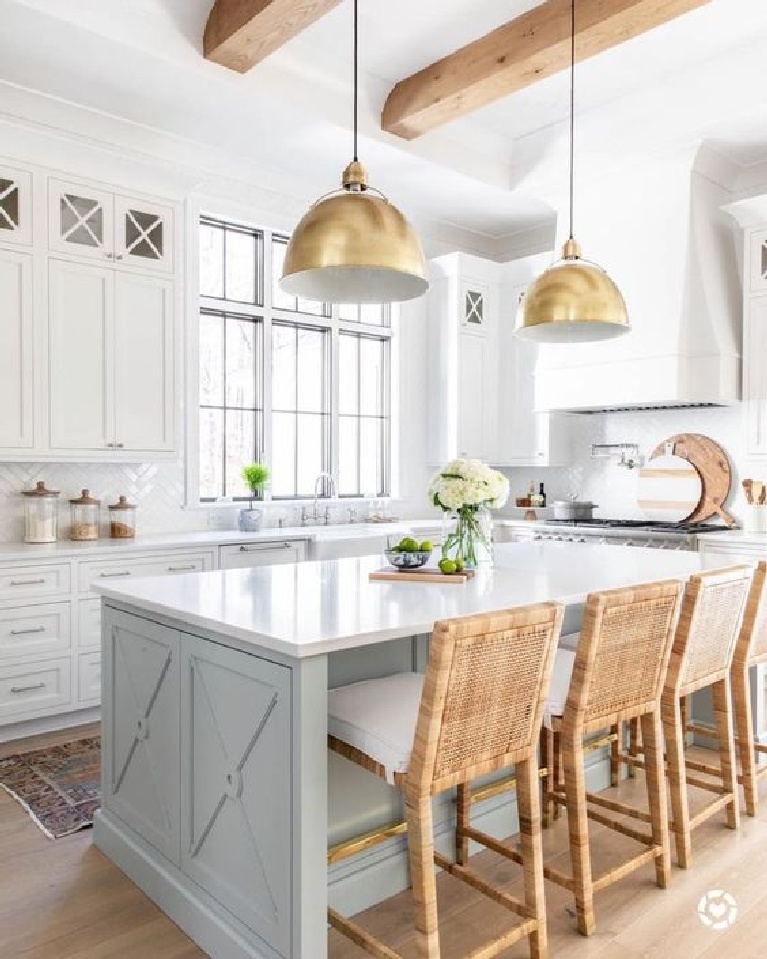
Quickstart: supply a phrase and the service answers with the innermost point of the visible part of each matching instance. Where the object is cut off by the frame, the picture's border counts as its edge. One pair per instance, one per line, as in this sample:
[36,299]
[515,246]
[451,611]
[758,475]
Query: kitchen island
[214,685]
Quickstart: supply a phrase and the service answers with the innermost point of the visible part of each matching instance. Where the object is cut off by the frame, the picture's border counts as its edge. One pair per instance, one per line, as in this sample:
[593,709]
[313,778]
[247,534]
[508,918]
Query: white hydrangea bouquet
[467,489]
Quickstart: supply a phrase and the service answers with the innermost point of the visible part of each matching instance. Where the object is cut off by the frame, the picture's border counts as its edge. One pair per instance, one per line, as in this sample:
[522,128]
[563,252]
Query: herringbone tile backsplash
[158,488]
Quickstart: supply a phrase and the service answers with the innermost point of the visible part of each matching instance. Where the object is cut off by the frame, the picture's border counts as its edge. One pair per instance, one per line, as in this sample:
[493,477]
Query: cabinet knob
[109,256]
[120,445]
[117,256]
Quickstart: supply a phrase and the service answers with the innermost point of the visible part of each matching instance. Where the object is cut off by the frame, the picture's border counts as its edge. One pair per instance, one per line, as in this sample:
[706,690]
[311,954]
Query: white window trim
[195,208]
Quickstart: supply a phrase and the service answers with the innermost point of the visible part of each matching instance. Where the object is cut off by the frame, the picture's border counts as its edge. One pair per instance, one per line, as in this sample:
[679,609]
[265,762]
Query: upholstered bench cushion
[378,717]
[560,684]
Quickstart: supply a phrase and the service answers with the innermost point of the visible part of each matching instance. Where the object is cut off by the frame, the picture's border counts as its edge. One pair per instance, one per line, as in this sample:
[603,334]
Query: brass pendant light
[353,245]
[574,301]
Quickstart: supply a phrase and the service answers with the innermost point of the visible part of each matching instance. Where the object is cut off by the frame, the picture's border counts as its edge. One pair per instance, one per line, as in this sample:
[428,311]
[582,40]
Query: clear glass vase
[468,535]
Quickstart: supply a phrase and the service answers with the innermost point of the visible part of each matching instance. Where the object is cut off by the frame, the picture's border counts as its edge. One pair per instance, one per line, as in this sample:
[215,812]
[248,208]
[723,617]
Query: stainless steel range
[623,532]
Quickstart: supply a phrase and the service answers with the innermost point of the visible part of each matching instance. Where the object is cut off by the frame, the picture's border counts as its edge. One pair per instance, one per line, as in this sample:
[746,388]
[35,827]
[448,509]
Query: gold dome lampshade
[574,301]
[354,246]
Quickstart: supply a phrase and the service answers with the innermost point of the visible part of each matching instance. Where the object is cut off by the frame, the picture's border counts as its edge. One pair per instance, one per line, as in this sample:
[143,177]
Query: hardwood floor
[63,900]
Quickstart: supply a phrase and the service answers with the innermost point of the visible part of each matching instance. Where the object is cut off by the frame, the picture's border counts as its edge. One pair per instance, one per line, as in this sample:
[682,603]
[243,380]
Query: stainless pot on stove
[573,509]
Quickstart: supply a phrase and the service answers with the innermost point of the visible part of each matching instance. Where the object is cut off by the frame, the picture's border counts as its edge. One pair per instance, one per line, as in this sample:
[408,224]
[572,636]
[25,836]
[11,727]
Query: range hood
[663,236]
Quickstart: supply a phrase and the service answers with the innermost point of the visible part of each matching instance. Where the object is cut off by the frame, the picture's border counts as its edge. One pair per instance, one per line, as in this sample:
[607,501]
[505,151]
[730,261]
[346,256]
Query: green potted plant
[256,478]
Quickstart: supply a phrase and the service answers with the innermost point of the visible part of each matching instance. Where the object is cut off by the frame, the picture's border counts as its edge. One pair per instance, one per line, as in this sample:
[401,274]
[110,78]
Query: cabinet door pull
[265,547]
[27,689]
[124,572]
[182,569]
[27,582]
[120,446]
[27,632]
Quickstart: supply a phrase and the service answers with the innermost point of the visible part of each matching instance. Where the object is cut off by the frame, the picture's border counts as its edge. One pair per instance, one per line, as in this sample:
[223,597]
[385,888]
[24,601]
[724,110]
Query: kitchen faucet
[333,492]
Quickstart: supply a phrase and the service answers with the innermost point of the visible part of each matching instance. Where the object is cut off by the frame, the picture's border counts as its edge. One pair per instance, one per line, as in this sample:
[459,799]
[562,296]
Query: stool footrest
[710,810]
[474,880]
[619,807]
[359,937]
[495,845]
[705,784]
[608,878]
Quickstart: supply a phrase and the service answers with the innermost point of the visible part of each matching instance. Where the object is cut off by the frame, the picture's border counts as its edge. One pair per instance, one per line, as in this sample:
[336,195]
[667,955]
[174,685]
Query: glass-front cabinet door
[81,220]
[15,206]
[143,234]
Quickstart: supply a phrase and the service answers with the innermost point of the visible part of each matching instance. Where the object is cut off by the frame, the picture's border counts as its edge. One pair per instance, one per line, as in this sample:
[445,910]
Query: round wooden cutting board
[711,461]
[669,489]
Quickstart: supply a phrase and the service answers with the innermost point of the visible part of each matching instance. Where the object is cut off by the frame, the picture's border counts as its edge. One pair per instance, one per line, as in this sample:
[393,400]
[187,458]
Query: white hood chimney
[662,235]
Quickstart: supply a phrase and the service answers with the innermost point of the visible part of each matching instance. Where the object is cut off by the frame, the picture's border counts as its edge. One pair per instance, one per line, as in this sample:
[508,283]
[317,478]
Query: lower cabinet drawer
[24,582]
[261,554]
[89,624]
[89,678]
[34,688]
[116,570]
[34,631]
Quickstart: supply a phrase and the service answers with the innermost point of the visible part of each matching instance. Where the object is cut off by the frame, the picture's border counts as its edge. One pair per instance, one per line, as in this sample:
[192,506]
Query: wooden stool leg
[677,778]
[547,762]
[420,836]
[578,827]
[558,772]
[528,800]
[463,815]
[744,723]
[615,748]
[685,711]
[633,744]
[656,793]
[723,714]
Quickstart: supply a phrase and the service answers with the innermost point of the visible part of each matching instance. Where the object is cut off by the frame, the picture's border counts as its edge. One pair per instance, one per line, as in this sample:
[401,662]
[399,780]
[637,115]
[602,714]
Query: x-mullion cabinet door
[143,235]
[15,206]
[81,220]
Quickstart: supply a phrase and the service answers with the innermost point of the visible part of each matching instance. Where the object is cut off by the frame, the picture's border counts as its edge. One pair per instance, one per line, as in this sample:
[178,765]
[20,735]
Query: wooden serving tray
[392,575]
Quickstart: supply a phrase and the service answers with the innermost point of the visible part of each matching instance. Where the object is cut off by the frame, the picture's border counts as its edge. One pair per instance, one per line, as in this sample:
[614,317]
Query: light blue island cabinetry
[215,766]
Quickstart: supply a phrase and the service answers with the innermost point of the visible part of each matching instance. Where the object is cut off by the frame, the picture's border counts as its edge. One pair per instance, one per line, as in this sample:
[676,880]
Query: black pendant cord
[572,113]
[356,82]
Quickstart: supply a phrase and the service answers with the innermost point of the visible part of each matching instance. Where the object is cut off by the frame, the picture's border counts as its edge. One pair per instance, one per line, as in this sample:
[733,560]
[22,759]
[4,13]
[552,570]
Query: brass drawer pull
[27,689]
[124,572]
[27,632]
[27,582]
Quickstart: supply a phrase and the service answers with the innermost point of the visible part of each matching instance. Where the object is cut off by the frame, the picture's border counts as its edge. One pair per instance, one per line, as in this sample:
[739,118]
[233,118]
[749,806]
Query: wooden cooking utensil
[758,490]
[712,463]
[748,486]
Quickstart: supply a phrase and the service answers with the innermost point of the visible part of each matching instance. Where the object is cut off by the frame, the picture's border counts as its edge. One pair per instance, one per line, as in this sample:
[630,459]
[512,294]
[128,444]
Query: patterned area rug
[60,786]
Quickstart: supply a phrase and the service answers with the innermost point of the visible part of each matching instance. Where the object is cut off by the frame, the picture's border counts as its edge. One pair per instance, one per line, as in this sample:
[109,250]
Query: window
[302,386]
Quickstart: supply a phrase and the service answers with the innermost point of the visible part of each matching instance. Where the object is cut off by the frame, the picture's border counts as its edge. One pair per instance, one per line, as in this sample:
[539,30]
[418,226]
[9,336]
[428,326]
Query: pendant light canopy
[574,301]
[353,245]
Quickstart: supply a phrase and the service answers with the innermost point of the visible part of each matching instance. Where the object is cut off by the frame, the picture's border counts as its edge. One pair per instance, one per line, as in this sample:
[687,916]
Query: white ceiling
[495,173]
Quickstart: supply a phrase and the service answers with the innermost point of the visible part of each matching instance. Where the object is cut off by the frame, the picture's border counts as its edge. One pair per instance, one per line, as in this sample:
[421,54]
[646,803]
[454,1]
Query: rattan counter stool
[618,673]
[750,650]
[478,709]
[708,629]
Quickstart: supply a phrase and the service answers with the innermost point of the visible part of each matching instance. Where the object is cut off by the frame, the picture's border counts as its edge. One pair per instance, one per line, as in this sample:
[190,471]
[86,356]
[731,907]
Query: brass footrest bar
[591,745]
[350,847]
[359,937]
[498,788]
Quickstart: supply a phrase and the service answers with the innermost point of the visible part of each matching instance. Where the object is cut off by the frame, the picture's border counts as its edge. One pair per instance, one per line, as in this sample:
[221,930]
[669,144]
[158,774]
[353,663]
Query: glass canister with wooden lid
[84,517]
[122,519]
[41,514]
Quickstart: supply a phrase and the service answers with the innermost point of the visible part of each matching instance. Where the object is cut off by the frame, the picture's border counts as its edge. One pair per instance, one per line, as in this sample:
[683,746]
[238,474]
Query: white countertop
[309,609]
[66,549]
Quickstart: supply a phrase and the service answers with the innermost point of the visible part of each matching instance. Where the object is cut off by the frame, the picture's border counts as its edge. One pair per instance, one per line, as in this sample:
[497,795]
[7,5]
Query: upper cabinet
[16,350]
[90,222]
[15,206]
[755,346]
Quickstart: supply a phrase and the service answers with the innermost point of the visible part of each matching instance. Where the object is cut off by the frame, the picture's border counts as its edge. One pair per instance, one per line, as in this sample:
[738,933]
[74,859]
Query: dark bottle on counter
[541,495]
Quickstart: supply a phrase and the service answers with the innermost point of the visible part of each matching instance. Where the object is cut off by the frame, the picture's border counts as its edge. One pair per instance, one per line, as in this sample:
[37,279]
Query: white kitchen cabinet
[15,206]
[525,437]
[16,348]
[87,220]
[144,368]
[755,375]
[463,316]
[261,554]
[756,257]
[111,360]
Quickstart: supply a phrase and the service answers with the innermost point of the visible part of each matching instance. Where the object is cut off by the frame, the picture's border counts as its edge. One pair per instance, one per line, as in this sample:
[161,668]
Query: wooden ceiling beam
[241,33]
[516,55]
